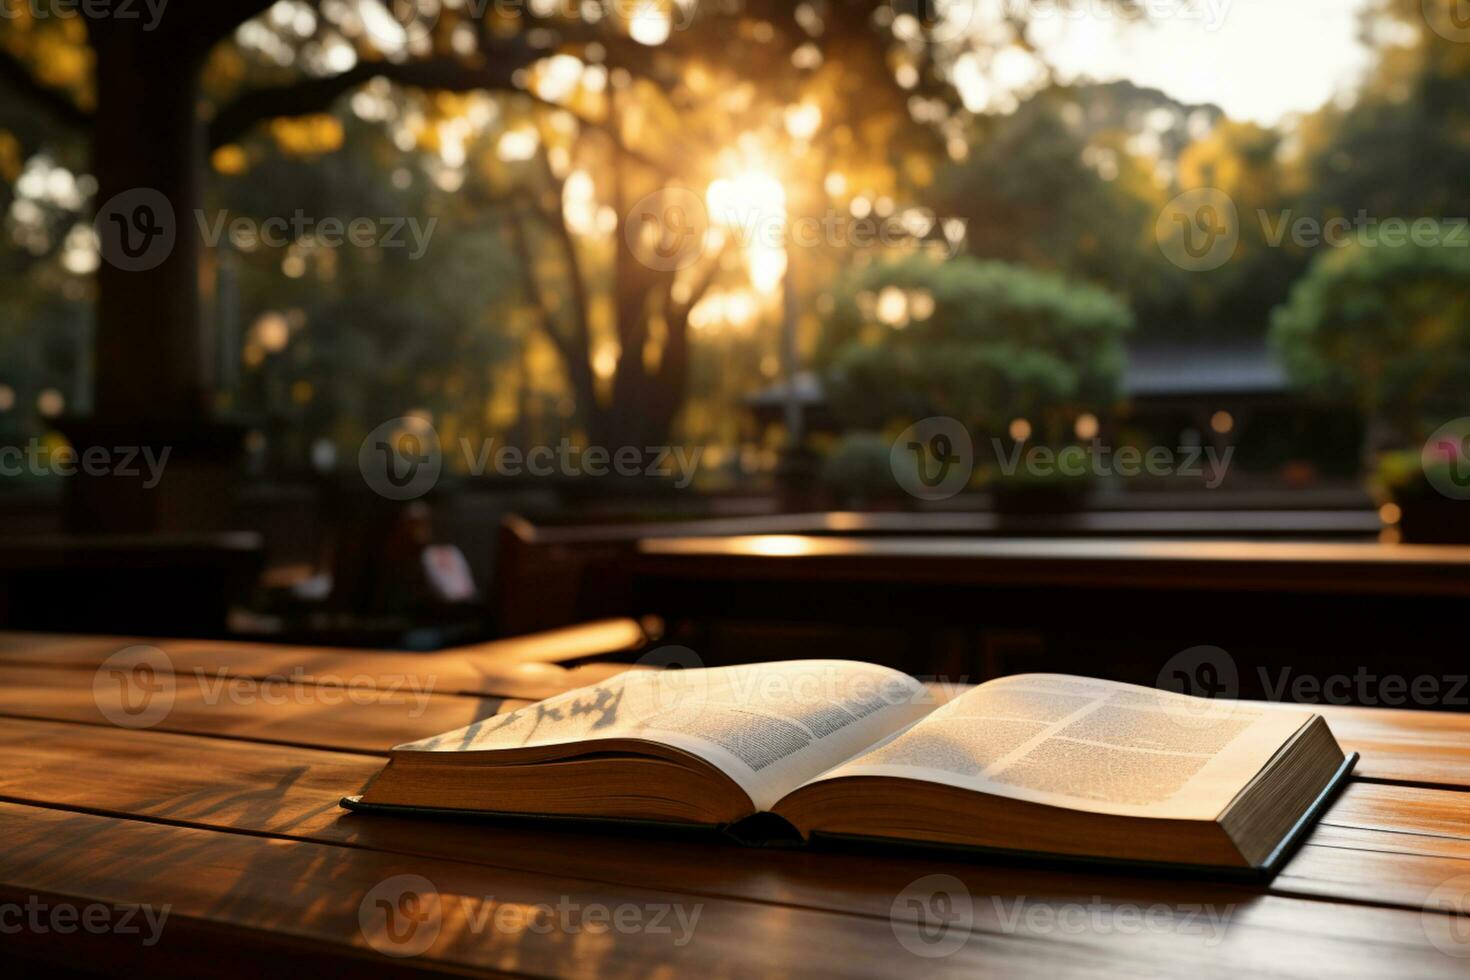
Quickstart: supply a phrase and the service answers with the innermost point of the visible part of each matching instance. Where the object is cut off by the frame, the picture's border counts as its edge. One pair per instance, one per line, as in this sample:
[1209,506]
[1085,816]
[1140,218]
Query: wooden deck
[222,814]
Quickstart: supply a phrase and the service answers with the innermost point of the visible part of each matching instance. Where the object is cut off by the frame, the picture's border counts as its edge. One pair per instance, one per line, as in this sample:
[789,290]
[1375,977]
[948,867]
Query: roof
[809,391]
[1156,370]
[1153,371]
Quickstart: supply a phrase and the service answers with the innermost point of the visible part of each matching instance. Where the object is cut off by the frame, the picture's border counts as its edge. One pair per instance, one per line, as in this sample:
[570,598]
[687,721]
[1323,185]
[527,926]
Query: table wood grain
[225,812]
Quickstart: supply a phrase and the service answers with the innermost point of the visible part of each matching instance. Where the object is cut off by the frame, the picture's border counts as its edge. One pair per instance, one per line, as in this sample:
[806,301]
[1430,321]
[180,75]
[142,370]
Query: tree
[140,104]
[141,99]
[982,342]
[1399,149]
[1054,185]
[1385,323]
[336,339]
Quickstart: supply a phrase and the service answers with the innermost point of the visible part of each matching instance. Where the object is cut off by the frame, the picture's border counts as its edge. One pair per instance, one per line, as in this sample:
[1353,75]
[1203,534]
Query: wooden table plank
[1410,746]
[553,646]
[1404,810]
[313,893]
[343,719]
[282,791]
[519,667]
[1427,747]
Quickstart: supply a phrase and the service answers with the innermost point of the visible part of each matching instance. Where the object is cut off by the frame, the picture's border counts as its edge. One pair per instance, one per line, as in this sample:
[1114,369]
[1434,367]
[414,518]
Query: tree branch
[701,286]
[57,104]
[314,95]
[576,281]
[318,94]
[217,19]
[574,353]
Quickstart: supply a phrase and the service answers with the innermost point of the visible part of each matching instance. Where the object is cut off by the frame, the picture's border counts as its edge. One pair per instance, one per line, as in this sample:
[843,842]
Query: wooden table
[223,813]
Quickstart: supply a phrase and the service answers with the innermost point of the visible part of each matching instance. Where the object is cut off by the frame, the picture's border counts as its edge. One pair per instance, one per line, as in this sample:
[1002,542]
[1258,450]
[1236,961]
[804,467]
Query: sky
[1259,60]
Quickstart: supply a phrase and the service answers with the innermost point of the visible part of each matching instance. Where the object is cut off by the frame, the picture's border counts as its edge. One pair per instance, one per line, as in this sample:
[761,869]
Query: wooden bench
[1120,608]
[224,813]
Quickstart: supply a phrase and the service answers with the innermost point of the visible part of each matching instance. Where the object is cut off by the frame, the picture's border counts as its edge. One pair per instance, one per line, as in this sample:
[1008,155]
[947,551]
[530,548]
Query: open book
[1038,763]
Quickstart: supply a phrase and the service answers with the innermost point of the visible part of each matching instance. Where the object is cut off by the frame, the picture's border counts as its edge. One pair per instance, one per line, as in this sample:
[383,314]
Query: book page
[1088,745]
[770,727]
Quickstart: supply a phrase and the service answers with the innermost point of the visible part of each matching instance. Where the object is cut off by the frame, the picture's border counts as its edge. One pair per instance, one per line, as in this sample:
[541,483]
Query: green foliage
[1387,325]
[1033,189]
[1075,180]
[1001,341]
[378,330]
[861,465]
